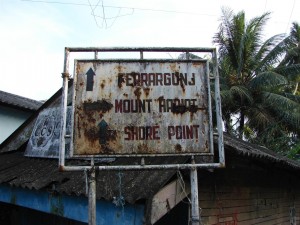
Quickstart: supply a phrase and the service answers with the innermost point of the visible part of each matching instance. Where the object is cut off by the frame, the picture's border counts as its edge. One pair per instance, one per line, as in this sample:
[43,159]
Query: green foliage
[294,153]
[259,81]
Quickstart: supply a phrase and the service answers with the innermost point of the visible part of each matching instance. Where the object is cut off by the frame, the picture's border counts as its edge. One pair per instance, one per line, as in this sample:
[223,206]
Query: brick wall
[249,194]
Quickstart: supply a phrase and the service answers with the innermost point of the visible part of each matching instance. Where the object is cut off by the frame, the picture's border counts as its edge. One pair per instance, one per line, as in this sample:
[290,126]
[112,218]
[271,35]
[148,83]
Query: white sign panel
[137,107]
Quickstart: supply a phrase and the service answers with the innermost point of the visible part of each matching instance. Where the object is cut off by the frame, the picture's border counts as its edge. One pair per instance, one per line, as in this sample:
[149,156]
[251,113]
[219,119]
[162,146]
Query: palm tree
[253,80]
[293,55]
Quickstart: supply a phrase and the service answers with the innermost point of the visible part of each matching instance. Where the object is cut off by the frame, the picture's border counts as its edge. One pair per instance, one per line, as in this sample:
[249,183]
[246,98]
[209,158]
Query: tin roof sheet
[19,101]
[35,173]
[42,174]
[246,149]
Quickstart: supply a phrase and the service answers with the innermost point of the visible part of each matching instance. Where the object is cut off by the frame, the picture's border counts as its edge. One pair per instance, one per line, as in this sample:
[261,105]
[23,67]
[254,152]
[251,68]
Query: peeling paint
[56,205]
[100,105]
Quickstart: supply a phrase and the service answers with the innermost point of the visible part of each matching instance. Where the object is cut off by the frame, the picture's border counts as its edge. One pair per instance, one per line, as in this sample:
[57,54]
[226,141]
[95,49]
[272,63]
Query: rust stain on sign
[140,108]
[121,80]
[100,106]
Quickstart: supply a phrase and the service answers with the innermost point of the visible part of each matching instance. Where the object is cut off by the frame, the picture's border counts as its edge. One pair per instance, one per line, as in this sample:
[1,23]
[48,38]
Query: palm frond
[267,80]
[279,102]
[293,49]
[226,97]
[259,118]
[227,37]
[291,72]
[272,55]
[254,31]
[241,55]
[295,32]
[240,39]
[292,119]
[267,46]
[285,109]
[242,92]
[295,98]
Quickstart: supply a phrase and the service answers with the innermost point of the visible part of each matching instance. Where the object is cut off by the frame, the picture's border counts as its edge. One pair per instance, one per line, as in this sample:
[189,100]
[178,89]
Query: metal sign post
[195,216]
[142,108]
[92,194]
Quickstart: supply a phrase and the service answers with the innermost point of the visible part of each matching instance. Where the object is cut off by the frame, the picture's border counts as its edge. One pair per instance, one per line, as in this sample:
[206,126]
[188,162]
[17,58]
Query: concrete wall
[10,120]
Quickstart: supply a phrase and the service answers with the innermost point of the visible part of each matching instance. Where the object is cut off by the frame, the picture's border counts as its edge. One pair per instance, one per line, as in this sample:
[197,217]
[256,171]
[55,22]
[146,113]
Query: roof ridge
[19,101]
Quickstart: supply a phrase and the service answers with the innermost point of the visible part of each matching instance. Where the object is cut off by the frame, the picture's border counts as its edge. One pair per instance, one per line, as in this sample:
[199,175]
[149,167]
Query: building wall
[246,196]
[16,215]
[244,193]
[10,120]
[70,207]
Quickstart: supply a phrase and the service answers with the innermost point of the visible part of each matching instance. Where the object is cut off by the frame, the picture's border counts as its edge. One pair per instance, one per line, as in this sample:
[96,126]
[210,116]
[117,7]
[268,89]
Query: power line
[104,17]
[122,7]
[287,26]
[266,2]
[93,12]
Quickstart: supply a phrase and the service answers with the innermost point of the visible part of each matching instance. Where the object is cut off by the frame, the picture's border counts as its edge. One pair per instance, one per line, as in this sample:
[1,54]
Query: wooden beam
[167,198]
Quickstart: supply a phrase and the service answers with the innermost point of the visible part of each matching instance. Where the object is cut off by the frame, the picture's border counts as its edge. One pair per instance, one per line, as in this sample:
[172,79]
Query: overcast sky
[35,33]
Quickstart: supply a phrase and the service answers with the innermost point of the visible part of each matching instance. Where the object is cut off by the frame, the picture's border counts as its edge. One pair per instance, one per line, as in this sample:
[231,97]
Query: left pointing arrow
[90,79]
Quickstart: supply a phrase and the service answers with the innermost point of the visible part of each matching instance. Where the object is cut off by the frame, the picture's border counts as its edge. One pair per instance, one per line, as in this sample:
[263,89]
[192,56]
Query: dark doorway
[179,215]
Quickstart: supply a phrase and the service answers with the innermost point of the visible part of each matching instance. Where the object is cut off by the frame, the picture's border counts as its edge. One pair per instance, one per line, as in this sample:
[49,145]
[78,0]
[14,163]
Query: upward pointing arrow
[90,79]
[102,132]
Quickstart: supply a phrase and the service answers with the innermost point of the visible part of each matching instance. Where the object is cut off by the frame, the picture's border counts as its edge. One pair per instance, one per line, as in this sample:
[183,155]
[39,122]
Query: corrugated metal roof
[19,101]
[240,147]
[35,173]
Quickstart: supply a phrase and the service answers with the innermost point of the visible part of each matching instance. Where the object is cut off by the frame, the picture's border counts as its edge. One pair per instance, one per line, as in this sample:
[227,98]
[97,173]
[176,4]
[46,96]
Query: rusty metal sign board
[140,107]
